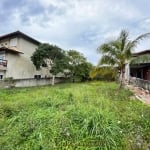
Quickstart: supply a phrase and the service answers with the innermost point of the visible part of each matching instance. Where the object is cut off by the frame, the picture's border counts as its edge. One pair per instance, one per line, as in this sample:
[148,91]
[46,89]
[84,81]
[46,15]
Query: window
[2,55]
[37,76]
[3,44]
[1,77]
[13,42]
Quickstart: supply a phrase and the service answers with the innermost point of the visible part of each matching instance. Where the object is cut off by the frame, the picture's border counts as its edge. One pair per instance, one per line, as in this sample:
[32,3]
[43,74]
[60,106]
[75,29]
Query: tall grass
[73,116]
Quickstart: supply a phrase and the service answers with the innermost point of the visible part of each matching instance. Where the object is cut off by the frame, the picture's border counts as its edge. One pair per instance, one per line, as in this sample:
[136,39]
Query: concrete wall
[145,84]
[29,82]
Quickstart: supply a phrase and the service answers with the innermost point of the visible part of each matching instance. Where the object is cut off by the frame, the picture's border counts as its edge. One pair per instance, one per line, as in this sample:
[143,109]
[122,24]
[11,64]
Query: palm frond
[115,44]
[107,60]
[111,49]
[105,72]
[139,38]
[128,50]
[104,48]
[123,39]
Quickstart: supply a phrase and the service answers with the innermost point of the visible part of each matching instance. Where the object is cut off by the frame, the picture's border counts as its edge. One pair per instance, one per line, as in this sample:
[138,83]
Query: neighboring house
[16,50]
[140,65]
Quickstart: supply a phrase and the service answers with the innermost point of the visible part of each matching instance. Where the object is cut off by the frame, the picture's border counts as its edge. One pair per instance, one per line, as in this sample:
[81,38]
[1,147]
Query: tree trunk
[73,77]
[121,78]
[53,80]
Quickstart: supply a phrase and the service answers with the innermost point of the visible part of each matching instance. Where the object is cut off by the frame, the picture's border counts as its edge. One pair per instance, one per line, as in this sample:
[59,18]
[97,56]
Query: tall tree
[50,56]
[118,51]
[78,65]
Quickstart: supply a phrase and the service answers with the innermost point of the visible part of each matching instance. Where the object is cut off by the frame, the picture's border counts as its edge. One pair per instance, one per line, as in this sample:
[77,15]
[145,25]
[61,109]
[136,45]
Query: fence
[29,82]
[145,84]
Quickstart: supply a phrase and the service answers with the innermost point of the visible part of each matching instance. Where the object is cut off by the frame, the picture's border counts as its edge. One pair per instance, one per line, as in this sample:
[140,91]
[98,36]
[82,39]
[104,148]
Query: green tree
[104,73]
[117,52]
[78,66]
[50,56]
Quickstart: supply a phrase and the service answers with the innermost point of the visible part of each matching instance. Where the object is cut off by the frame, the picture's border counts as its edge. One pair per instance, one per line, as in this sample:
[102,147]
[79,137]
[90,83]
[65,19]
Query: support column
[127,72]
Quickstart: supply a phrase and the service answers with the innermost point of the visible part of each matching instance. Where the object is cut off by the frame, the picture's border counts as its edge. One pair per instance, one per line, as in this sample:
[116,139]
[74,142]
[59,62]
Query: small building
[16,50]
[140,65]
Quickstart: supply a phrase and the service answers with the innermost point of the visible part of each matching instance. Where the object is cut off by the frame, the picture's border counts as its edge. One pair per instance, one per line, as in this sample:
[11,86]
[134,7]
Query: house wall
[146,74]
[20,66]
[145,84]
[8,42]
[29,82]
[4,42]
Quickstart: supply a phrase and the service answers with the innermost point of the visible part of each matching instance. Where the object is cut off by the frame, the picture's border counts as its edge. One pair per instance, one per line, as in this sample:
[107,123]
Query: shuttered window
[13,42]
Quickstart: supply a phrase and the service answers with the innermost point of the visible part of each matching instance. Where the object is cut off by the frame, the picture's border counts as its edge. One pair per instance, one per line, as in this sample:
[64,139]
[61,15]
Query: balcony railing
[3,62]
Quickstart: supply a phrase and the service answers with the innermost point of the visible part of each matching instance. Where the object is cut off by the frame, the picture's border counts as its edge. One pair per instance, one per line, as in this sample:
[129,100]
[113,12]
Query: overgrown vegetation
[79,68]
[73,116]
[106,73]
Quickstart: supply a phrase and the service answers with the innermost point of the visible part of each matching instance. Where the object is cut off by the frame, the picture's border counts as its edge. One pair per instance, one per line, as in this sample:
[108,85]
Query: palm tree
[119,51]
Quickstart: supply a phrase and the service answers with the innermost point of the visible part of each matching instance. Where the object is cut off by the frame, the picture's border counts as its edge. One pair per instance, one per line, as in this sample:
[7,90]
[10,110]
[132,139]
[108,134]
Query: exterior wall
[8,42]
[20,66]
[2,73]
[140,83]
[29,82]
[146,73]
[4,42]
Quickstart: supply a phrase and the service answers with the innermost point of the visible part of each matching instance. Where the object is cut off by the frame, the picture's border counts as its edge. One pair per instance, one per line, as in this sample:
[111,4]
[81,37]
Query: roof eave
[21,34]
[10,50]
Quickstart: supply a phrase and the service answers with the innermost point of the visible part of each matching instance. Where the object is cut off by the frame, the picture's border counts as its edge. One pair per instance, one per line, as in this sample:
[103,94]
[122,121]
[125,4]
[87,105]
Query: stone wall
[145,84]
[29,82]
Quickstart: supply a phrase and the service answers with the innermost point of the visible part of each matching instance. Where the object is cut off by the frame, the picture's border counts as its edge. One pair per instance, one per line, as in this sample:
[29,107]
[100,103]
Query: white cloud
[78,24]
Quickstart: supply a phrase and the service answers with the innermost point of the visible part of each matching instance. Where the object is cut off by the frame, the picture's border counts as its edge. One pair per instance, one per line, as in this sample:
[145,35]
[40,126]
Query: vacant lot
[73,116]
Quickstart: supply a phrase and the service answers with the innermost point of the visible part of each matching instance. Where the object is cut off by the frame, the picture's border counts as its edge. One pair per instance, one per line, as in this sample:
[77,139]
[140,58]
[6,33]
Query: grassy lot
[81,116]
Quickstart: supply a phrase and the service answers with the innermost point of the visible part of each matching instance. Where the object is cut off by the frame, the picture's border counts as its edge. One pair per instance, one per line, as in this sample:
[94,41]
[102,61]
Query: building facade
[140,67]
[16,50]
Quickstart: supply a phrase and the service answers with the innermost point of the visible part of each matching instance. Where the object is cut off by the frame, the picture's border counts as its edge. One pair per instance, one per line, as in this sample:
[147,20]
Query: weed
[78,116]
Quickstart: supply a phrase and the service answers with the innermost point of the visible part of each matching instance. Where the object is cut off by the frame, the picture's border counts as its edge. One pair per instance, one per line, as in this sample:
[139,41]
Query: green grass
[82,116]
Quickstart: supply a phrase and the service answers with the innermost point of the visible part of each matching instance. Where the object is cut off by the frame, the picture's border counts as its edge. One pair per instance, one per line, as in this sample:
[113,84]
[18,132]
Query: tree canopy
[78,66]
[72,63]
[50,56]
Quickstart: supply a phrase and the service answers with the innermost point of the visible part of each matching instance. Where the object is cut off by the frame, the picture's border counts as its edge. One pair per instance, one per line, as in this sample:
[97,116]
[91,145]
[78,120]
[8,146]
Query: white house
[16,50]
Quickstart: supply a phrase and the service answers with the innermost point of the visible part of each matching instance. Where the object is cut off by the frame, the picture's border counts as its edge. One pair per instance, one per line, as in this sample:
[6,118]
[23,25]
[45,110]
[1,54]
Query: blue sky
[82,25]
